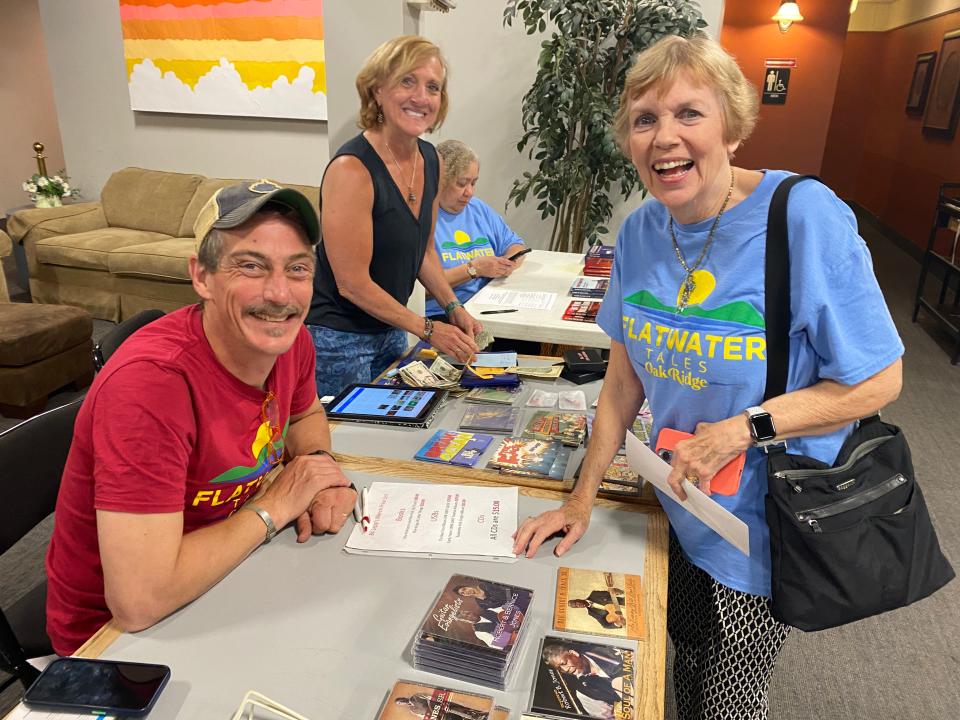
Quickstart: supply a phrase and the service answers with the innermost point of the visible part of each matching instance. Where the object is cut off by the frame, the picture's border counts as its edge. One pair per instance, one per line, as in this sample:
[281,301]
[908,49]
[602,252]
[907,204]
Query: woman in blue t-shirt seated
[472,240]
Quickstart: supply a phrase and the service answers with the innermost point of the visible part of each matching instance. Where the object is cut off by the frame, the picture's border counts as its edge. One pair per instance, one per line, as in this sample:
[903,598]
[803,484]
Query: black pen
[497,312]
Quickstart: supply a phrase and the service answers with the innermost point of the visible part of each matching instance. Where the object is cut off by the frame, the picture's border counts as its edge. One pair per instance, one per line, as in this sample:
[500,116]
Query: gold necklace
[689,285]
[411,196]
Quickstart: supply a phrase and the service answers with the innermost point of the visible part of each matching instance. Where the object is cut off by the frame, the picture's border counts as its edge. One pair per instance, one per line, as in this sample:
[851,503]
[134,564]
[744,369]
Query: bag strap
[777,288]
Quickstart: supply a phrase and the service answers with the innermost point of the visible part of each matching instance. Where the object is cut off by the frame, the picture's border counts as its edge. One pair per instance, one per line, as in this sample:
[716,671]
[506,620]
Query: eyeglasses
[270,416]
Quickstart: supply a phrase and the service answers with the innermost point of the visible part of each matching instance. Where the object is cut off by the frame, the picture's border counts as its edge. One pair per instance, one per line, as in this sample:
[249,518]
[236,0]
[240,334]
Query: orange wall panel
[790,136]
[877,154]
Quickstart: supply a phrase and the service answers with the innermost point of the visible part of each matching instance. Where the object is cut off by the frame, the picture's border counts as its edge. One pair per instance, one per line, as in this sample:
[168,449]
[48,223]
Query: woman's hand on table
[712,446]
[572,519]
[453,341]
[492,266]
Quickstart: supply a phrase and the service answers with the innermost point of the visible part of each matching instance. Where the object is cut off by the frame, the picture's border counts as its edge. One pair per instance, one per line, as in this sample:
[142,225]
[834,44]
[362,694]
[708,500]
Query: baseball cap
[233,205]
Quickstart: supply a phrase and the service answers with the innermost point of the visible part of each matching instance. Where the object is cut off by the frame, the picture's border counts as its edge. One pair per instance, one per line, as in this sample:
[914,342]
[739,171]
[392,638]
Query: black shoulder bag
[850,540]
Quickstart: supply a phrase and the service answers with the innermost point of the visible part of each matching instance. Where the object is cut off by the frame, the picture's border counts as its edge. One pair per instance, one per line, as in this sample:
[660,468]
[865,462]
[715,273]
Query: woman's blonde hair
[457,157]
[387,64]
[706,63]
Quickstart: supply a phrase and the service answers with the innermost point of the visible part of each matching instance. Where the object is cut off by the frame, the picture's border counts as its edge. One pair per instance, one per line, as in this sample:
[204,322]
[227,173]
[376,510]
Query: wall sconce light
[788,14]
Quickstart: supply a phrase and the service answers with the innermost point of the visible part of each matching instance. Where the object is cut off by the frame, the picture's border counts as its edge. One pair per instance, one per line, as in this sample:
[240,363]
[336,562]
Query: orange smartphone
[725,482]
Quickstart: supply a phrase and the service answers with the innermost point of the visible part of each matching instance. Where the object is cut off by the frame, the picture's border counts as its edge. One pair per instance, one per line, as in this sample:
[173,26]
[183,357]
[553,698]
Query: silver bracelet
[267,520]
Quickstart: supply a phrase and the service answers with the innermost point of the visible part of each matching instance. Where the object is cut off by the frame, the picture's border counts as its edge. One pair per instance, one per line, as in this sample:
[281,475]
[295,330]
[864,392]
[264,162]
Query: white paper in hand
[650,467]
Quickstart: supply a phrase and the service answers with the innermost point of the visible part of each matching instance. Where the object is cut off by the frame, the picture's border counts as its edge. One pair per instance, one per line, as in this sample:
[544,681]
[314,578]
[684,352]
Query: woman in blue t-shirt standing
[685,314]
[472,240]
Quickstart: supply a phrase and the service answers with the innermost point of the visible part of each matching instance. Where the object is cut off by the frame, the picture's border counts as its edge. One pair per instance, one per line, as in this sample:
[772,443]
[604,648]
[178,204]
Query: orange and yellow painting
[260,58]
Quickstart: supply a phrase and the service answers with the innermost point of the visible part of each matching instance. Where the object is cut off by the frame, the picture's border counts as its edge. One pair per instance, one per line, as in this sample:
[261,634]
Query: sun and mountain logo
[705,283]
[463,242]
[261,453]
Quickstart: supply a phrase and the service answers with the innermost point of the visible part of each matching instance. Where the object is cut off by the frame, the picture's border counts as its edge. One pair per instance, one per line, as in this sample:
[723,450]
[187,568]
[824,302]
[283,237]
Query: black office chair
[32,455]
[112,340]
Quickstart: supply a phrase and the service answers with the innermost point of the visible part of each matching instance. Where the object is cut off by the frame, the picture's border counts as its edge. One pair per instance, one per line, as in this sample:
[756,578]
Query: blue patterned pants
[346,357]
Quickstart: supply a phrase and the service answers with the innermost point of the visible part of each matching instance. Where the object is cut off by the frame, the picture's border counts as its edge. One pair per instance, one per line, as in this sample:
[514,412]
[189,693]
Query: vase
[47,201]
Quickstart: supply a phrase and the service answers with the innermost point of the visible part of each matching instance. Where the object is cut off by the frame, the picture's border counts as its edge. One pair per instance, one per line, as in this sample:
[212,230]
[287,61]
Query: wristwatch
[762,429]
[267,520]
[471,270]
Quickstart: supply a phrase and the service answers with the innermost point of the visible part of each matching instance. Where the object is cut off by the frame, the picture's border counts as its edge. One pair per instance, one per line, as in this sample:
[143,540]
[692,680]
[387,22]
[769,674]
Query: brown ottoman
[42,348]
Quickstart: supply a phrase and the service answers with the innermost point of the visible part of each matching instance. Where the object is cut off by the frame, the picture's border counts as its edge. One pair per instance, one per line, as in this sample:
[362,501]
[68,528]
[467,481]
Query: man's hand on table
[327,513]
[296,488]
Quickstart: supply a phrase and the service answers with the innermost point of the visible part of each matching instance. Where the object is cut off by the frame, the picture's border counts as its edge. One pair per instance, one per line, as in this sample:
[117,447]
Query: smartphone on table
[109,687]
[519,254]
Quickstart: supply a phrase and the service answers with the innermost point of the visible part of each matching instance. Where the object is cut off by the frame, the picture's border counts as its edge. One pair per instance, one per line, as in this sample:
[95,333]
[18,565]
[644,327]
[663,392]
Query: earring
[379,115]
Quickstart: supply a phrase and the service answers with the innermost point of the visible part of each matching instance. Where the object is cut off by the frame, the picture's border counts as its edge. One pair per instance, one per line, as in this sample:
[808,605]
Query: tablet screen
[386,402]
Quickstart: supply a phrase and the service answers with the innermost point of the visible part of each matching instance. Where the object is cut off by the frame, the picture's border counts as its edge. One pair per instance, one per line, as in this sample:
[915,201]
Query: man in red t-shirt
[184,427]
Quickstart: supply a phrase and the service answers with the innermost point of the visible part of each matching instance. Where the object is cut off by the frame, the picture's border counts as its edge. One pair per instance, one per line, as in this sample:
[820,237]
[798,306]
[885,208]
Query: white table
[542,271]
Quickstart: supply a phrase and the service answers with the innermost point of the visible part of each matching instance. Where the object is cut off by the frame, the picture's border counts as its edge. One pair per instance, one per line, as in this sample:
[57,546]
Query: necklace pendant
[411,198]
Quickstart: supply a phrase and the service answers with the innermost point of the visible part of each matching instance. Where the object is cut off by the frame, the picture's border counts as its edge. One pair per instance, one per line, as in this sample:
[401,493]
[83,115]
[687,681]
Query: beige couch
[126,253]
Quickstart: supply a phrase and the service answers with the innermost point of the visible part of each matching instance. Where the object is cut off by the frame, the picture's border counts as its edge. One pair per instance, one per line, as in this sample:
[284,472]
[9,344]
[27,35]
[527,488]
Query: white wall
[101,133]
[491,67]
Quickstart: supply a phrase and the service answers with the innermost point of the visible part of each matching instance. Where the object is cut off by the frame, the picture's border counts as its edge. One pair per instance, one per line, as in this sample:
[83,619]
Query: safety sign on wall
[776,79]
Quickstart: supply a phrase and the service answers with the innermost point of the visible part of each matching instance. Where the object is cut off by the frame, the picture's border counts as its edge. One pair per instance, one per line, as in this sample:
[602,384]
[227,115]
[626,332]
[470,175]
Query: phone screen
[98,684]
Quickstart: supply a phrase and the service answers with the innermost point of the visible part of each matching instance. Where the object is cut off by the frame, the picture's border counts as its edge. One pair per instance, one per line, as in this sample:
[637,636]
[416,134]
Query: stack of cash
[440,374]
[550,372]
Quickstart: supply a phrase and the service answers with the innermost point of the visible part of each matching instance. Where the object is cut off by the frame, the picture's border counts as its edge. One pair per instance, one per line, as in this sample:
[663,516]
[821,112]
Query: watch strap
[267,520]
[451,306]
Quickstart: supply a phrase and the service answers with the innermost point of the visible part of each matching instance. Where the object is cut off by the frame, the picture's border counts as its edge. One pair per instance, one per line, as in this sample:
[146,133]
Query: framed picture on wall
[920,85]
[940,117]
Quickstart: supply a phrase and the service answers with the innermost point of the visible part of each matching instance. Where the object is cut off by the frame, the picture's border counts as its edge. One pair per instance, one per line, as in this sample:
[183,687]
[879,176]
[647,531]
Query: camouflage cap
[233,205]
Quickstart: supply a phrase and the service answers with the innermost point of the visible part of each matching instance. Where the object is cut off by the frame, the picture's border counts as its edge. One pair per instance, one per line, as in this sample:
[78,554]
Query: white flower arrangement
[58,186]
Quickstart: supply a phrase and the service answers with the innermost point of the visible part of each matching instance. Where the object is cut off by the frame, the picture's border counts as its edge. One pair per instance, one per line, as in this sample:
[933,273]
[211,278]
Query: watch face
[762,428]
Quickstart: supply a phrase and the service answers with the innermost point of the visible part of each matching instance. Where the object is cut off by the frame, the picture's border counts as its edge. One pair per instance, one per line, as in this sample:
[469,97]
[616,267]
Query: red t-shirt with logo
[165,428]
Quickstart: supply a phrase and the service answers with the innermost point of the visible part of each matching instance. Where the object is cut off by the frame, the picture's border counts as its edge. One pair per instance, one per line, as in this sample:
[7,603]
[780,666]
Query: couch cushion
[91,249]
[31,332]
[164,260]
[148,199]
[210,185]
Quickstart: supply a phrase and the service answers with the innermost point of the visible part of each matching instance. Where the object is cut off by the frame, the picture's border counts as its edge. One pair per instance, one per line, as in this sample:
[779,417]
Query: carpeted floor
[903,665]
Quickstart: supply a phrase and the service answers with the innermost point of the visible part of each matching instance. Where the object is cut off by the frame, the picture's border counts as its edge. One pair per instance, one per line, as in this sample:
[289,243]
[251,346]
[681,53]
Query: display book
[490,418]
[507,395]
[620,479]
[409,699]
[598,261]
[589,287]
[474,631]
[454,448]
[582,311]
[526,457]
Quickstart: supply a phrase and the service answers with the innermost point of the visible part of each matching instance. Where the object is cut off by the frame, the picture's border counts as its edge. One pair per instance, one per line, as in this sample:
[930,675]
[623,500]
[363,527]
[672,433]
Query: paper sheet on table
[515,298]
[465,522]
[651,468]
[497,359]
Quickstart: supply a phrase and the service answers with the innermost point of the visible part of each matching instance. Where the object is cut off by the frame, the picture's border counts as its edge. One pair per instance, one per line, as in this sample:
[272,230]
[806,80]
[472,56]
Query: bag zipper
[811,516]
[861,450]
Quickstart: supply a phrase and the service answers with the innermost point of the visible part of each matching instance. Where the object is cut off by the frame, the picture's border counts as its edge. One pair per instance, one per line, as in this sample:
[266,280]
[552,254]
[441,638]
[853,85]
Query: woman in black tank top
[378,202]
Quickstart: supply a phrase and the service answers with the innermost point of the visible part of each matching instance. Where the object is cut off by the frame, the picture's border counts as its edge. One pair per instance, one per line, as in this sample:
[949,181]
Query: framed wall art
[940,116]
[226,57]
[920,84]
